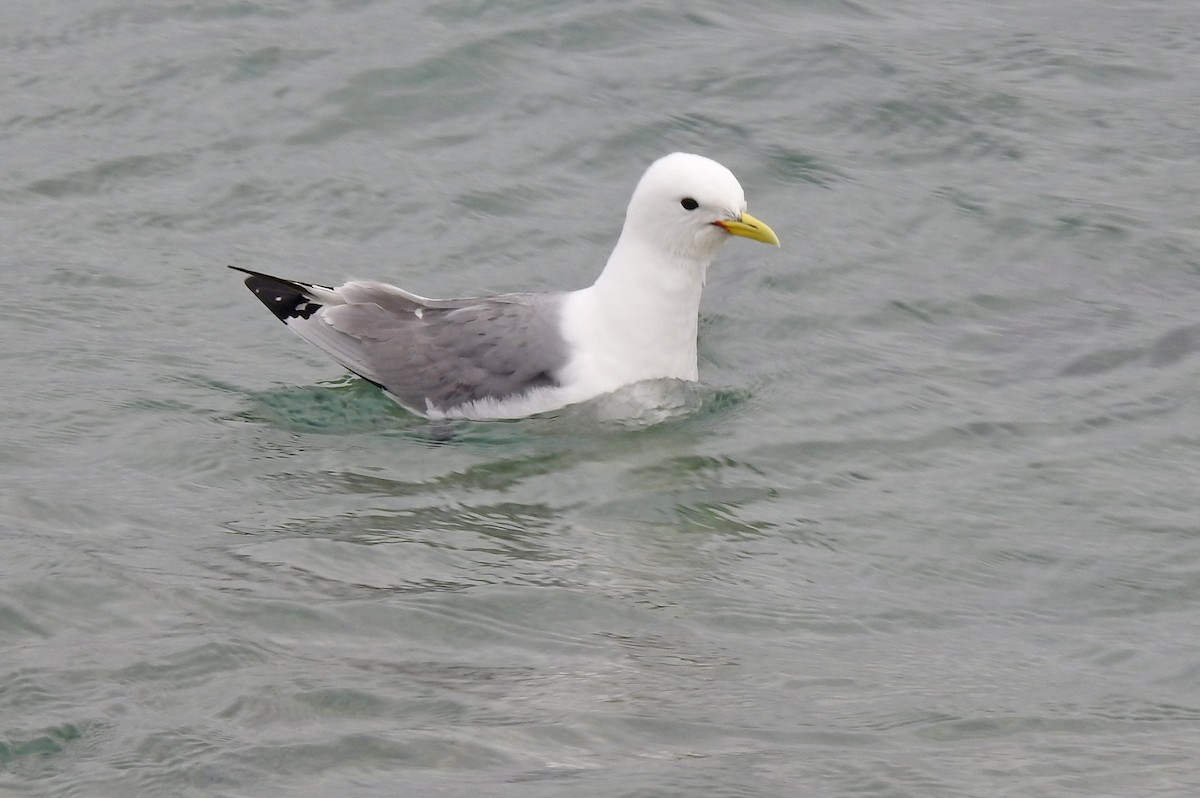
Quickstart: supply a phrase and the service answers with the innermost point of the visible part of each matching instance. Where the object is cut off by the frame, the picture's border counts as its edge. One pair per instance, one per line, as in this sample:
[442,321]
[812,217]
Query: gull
[515,355]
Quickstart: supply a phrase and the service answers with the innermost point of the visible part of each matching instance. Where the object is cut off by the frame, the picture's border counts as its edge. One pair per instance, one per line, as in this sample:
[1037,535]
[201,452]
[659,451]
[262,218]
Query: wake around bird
[515,355]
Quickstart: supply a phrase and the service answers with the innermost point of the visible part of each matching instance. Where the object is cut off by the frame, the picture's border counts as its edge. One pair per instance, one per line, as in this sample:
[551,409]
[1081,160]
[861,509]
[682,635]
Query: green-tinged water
[929,526]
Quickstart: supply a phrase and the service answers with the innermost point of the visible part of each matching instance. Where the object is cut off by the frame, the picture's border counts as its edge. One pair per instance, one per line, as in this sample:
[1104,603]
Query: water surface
[928,527]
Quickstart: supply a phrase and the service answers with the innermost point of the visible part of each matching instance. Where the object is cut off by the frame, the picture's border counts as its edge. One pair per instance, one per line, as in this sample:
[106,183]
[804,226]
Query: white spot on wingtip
[420,314]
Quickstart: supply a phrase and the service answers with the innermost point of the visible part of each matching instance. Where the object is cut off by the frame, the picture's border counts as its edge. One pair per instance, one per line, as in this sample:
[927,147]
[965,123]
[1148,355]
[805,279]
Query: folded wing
[429,354]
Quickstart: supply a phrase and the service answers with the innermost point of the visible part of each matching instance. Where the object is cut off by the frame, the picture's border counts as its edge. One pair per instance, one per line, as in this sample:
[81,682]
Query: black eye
[689,204]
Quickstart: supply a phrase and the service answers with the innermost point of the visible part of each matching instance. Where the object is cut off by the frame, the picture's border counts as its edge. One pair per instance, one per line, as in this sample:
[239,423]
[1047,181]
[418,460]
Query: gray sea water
[929,526]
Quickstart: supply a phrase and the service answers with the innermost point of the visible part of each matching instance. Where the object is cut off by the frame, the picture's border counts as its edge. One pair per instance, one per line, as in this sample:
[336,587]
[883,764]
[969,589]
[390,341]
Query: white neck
[638,321]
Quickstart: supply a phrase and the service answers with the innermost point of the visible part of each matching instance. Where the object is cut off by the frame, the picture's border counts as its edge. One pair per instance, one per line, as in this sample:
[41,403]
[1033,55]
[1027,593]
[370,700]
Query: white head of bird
[687,205]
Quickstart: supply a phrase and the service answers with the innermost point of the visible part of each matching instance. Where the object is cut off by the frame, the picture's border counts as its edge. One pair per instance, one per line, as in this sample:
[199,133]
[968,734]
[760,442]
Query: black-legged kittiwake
[515,355]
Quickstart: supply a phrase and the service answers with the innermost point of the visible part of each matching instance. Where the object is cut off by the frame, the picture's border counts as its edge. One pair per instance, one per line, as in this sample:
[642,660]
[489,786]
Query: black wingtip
[286,299]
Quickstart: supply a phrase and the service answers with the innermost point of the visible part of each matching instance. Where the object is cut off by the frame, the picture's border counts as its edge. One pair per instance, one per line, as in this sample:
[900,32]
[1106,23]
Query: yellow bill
[749,227]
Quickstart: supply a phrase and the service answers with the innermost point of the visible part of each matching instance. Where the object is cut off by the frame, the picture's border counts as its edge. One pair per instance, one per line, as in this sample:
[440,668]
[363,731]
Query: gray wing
[444,352]
[458,351]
